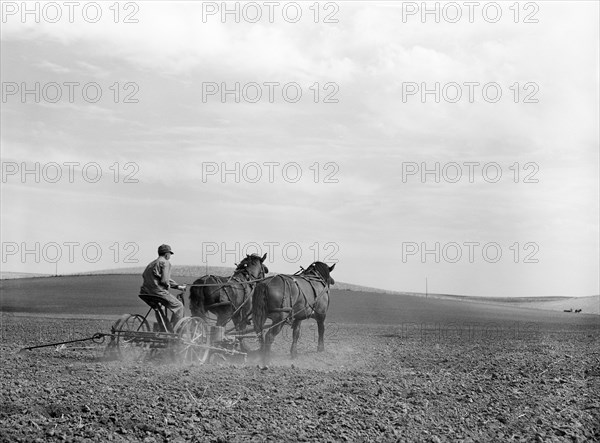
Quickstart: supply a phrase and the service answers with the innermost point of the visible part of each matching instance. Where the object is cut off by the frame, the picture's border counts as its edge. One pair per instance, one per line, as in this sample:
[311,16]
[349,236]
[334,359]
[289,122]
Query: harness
[312,277]
[312,280]
[247,285]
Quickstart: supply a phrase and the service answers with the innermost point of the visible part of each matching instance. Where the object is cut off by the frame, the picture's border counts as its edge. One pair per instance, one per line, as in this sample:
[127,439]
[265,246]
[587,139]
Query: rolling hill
[588,305]
[110,295]
[184,271]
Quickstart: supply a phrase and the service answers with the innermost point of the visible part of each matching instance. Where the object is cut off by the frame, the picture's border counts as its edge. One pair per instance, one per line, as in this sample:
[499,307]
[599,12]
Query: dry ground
[373,383]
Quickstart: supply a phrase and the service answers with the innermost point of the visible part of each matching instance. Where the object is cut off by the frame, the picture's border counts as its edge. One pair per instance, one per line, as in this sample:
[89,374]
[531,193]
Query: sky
[454,149]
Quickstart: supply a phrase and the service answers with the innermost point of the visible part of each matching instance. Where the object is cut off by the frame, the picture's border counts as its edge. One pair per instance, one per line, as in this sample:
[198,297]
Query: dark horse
[291,298]
[229,298]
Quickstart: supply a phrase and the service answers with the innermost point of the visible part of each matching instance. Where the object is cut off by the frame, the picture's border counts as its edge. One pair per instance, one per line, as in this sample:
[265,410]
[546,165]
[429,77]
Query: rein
[241,279]
[227,283]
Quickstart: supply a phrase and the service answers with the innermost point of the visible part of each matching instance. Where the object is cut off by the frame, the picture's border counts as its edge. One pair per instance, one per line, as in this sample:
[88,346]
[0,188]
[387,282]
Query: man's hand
[181,287]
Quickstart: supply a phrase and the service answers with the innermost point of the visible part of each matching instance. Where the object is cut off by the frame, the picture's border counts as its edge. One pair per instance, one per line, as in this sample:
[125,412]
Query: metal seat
[160,310]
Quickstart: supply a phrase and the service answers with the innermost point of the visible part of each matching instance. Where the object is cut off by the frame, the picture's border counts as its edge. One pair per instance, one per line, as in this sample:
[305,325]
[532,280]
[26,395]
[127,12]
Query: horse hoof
[321,349]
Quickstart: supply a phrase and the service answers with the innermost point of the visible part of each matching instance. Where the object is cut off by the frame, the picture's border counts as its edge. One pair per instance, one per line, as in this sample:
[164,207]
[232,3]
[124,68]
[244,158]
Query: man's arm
[162,274]
[163,271]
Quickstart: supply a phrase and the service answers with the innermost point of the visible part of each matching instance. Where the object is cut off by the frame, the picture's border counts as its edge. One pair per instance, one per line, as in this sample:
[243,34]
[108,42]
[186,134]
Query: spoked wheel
[126,340]
[195,340]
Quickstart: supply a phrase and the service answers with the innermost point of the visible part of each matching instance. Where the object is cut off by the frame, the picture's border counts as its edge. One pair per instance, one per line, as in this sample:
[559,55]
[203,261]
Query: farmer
[157,281]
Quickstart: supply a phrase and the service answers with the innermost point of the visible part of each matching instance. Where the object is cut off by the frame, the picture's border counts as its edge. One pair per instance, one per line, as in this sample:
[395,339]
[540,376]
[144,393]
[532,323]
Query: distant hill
[108,296]
[588,305]
[177,271]
[186,273]
[11,275]
[198,271]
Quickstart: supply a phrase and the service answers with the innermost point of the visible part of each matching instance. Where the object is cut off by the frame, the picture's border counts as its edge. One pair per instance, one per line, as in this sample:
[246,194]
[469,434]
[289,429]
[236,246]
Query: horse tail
[197,298]
[259,306]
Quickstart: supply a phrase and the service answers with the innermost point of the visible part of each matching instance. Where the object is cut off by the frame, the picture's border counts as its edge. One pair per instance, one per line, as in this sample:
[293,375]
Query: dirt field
[373,383]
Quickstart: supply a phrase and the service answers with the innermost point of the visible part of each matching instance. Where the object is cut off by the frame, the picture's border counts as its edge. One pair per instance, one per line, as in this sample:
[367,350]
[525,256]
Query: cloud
[370,134]
[53,67]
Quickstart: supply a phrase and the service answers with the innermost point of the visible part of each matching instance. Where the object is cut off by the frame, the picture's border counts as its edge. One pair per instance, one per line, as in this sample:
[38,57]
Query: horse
[228,298]
[291,298]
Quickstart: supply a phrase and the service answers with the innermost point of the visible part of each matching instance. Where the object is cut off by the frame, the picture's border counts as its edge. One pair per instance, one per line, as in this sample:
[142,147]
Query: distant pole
[56,269]
[426,290]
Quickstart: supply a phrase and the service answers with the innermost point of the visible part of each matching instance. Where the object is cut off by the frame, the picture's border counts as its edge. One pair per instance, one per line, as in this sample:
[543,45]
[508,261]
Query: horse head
[253,265]
[322,270]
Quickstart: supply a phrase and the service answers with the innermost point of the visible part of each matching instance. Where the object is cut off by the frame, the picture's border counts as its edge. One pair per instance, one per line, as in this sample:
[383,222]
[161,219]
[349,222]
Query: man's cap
[163,249]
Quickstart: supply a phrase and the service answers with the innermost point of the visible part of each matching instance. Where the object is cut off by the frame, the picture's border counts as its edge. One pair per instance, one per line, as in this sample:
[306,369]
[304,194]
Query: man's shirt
[157,277]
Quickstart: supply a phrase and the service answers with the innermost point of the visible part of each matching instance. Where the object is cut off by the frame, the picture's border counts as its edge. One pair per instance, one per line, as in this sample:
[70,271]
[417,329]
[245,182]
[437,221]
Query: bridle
[312,270]
[251,277]
[247,284]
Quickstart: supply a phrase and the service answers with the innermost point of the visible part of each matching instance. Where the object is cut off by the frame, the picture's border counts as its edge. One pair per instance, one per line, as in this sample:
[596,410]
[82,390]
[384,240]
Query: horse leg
[321,328]
[295,337]
[269,338]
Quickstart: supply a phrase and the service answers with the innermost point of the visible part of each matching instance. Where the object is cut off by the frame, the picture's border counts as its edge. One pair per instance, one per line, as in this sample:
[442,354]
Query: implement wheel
[125,342]
[195,340]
